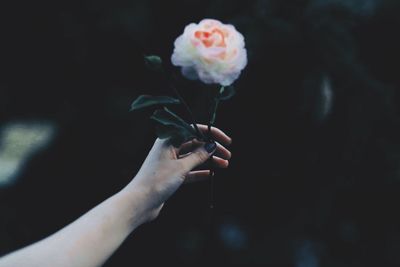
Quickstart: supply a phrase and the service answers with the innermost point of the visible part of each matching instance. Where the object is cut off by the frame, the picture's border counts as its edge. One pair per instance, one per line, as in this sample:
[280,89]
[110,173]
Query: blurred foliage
[307,186]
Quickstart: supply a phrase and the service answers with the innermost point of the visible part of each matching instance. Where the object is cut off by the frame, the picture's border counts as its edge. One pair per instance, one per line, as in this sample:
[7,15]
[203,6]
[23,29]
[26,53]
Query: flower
[210,51]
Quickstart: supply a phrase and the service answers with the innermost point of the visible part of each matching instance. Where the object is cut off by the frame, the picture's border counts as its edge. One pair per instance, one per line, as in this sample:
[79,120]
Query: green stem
[213,114]
[213,111]
[189,111]
[182,100]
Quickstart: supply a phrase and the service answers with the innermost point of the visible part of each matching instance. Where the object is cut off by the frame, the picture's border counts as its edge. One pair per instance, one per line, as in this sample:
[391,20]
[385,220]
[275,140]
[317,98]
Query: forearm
[88,241]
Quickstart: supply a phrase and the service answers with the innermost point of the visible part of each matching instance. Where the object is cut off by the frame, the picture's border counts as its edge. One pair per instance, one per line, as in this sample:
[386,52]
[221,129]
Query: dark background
[302,189]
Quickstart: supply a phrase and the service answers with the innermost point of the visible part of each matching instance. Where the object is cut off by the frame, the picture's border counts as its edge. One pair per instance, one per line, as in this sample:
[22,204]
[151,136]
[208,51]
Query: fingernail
[210,147]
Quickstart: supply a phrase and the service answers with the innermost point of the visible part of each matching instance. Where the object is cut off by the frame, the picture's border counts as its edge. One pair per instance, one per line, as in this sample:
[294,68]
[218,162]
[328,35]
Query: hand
[166,168]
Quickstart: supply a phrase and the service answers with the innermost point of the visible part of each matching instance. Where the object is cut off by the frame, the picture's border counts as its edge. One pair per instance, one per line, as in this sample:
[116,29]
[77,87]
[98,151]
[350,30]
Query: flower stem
[214,100]
[213,111]
[189,111]
[182,100]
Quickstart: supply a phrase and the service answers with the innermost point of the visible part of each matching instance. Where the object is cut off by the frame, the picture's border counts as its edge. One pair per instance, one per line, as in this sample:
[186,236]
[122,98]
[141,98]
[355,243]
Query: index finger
[219,135]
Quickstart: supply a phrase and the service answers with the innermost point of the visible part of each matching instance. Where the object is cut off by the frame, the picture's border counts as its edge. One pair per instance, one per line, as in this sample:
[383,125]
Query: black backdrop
[300,191]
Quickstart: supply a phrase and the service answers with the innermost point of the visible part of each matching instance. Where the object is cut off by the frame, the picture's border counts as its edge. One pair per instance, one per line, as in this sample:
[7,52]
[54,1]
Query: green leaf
[170,125]
[176,138]
[226,93]
[144,101]
[153,62]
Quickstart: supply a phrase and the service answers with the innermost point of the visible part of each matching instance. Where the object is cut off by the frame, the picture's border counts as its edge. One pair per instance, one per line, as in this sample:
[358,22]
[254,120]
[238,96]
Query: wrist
[141,198]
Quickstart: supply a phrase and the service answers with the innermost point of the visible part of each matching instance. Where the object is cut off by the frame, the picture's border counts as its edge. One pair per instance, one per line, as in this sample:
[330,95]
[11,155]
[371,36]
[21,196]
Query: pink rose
[210,51]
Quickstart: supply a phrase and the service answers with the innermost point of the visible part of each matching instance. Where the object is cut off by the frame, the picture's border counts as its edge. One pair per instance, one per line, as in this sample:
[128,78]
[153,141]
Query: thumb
[198,156]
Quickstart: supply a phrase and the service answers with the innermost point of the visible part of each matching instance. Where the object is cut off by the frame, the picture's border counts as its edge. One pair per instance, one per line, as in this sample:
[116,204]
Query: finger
[199,156]
[219,135]
[188,147]
[219,162]
[223,152]
[197,176]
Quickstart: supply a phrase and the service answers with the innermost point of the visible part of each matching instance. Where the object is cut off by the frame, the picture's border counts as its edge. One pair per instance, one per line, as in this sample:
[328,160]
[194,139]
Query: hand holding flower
[213,53]
[167,167]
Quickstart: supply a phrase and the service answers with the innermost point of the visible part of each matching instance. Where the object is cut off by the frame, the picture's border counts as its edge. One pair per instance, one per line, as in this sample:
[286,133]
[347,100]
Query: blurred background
[314,179]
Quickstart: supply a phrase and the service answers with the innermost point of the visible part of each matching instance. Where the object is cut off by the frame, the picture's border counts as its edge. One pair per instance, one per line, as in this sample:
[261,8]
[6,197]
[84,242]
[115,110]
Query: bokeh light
[18,142]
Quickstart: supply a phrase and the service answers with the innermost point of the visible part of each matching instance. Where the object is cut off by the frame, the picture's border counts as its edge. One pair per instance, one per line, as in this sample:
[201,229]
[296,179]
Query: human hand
[166,168]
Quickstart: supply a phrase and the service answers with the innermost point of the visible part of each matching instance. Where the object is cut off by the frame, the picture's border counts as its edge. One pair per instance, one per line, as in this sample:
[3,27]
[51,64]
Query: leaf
[226,93]
[153,62]
[144,101]
[167,117]
[176,138]
[170,125]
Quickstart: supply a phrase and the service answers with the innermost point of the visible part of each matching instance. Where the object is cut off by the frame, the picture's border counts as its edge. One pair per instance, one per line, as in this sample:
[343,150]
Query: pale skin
[91,239]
